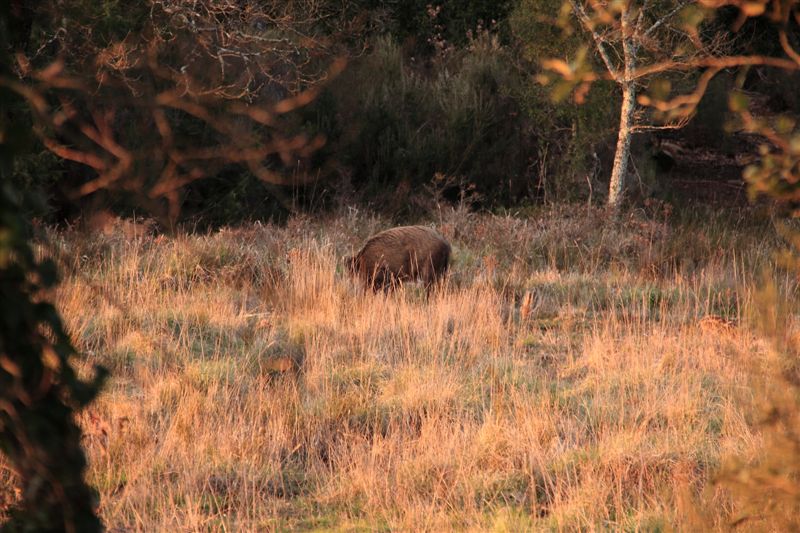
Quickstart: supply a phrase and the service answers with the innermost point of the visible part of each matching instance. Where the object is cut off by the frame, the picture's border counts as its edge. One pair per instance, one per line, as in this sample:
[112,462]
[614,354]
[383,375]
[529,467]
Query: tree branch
[677,125]
[715,62]
[642,11]
[600,43]
[691,100]
[666,17]
[791,52]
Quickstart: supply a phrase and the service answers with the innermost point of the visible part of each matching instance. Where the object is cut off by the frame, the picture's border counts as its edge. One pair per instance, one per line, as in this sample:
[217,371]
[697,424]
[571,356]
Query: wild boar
[397,255]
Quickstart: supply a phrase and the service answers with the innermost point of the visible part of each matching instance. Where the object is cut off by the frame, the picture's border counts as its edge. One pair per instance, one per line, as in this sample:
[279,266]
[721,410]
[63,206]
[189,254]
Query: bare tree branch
[666,17]
[716,62]
[790,51]
[600,43]
[214,81]
[686,100]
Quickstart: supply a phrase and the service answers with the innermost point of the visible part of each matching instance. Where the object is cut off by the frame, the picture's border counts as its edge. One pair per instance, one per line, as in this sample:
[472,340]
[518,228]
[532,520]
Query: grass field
[570,376]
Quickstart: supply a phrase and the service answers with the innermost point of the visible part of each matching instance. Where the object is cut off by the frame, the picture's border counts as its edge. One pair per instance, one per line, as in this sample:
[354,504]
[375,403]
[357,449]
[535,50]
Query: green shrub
[402,123]
[575,142]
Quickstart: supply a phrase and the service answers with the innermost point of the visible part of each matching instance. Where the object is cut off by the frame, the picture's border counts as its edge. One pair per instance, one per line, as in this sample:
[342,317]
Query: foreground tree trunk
[40,391]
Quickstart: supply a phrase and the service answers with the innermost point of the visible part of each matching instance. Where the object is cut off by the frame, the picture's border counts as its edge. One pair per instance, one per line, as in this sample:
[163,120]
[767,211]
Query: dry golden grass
[565,380]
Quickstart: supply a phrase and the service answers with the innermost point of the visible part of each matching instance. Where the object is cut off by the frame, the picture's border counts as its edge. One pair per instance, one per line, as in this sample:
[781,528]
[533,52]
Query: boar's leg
[382,279]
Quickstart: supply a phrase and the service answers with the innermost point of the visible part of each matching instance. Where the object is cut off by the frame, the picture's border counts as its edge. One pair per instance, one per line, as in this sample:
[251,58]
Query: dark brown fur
[397,255]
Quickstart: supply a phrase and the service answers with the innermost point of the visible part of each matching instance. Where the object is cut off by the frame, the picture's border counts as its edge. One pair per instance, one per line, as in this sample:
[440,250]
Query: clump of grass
[269,392]
[764,481]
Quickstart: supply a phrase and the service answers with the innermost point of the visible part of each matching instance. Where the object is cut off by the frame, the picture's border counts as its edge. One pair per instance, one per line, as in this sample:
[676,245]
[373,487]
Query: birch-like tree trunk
[630,33]
[616,187]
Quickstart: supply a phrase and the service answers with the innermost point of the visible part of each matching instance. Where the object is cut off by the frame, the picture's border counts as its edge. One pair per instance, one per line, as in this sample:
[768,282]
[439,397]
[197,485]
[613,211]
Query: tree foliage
[39,390]
[215,83]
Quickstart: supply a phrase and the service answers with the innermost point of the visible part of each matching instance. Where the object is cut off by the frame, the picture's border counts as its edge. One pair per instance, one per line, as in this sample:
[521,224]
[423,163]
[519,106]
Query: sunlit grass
[565,379]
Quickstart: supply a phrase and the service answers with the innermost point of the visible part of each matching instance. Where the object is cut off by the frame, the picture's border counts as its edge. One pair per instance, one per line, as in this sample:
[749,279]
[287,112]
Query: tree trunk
[622,154]
[616,186]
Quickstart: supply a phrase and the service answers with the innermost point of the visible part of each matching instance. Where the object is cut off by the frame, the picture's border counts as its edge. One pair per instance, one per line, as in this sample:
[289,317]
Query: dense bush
[424,24]
[400,124]
[576,141]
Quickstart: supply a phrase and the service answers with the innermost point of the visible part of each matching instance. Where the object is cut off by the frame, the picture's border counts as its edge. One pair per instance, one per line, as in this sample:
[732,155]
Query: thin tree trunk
[622,154]
[616,187]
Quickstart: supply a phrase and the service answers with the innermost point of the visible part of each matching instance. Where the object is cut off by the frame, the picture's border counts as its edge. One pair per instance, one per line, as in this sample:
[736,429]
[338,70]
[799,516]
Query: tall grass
[571,376]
